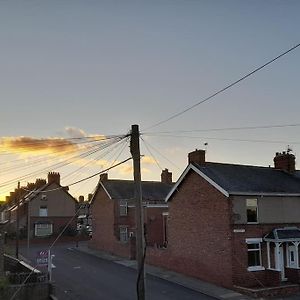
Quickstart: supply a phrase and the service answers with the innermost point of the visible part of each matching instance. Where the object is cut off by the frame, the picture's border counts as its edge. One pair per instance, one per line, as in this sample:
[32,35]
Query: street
[82,276]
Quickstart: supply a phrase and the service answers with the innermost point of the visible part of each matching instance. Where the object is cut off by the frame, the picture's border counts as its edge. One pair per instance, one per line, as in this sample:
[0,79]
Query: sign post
[44,259]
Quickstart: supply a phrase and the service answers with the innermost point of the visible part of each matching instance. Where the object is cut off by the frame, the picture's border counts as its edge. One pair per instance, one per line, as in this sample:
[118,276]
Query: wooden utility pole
[139,211]
[18,221]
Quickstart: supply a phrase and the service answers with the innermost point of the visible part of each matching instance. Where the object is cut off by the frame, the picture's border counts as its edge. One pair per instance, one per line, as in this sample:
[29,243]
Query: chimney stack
[197,157]
[285,161]
[166,176]
[54,177]
[103,177]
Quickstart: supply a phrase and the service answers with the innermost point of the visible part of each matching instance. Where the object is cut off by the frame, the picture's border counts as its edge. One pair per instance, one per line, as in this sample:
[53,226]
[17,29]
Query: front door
[292,256]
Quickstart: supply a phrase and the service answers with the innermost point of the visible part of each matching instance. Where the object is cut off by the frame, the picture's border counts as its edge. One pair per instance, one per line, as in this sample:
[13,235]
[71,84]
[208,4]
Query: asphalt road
[82,276]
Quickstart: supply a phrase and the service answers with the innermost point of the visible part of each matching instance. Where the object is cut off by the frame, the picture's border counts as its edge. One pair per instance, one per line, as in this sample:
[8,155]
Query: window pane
[253,258]
[43,229]
[123,234]
[43,211]
[253,246]
[252,202]
[251,214]
[123,208]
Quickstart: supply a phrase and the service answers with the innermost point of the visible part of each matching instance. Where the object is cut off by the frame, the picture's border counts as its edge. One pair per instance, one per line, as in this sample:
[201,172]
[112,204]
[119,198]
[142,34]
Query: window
[43,211]
[123,234]
[252,212]
[254,254]
[43,229]
[123,208]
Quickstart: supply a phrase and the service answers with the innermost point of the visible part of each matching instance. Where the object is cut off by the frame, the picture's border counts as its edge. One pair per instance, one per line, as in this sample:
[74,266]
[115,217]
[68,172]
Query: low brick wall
[272,277]
[270,292]
[293,275]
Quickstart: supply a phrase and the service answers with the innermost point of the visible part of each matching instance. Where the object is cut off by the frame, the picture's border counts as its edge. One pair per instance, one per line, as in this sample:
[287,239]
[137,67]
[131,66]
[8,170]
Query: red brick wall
[199,241]
[104,226]
[106,222]
[154,221]
[293,275]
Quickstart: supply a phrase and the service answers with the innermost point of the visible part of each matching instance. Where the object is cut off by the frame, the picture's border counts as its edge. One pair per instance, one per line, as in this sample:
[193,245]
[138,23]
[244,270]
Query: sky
[73,69]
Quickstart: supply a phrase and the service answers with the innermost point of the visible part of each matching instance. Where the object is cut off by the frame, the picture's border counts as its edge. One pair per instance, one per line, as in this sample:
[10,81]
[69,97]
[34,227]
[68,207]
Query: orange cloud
[29,145]
[148,160]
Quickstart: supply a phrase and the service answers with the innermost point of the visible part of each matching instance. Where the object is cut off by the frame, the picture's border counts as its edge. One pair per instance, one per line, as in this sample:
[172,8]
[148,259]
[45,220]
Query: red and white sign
[42,258]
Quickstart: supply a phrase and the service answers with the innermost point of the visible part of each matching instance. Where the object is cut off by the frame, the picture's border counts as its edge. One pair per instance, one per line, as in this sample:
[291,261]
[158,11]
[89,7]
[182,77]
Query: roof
[34,193]
[283,234]
[231,179]
[251,179]
[124,189]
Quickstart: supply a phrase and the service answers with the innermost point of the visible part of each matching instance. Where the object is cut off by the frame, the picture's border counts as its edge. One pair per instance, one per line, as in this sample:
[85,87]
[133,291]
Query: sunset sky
[72,69]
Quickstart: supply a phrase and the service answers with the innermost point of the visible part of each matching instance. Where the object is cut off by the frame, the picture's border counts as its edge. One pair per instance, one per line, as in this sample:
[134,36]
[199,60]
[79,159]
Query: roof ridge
[239,165]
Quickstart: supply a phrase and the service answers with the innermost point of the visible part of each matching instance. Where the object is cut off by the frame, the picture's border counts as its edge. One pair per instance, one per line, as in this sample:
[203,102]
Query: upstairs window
[123,208]
[43,211]
[252,212]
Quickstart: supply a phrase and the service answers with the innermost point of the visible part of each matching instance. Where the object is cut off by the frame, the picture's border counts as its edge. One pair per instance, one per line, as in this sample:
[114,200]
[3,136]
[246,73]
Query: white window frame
[255,241]
[38,226]
[247,200]
[123,208]
[123,234]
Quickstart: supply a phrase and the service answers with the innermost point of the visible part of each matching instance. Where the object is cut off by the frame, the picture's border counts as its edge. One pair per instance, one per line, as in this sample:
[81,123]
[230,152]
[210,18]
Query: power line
[94,149]
[229,139]
[226,129]
[83,179]
[162,156]
[225,88]
[52,143]
[103,171]
[156,161]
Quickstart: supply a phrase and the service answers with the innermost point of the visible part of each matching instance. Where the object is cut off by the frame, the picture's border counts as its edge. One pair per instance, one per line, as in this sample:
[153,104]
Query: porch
[283,253]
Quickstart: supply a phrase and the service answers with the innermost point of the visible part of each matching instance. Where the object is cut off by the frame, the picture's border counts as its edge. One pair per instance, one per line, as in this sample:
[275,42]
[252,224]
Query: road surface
[83,276]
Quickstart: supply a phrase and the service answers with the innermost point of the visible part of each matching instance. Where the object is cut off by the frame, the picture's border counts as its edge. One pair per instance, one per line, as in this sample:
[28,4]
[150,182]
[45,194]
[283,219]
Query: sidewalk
[188,282]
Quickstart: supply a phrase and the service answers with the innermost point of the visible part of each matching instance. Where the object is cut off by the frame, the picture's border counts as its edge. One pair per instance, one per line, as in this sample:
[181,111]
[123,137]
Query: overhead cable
[224,89]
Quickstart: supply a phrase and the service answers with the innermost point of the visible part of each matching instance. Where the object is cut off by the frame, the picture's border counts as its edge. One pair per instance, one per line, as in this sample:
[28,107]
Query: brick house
[234,225]
[113,214]
[47,207]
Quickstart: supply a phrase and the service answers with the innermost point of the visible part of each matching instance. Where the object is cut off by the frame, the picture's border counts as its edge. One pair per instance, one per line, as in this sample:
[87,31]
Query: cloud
[75,132]
[29,145]
[148,160]
[125,169]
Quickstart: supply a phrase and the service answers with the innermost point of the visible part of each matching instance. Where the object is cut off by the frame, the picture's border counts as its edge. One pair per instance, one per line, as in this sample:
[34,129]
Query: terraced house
[235,225]
[113,214]
[45,206]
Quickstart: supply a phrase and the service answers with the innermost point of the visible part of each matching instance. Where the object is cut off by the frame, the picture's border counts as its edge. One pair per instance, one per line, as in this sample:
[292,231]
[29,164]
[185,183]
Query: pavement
[185,281]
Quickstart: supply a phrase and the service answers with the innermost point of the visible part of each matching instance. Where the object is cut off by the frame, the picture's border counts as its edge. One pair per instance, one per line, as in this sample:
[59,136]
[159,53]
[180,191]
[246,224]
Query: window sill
[252,223]
[256,268]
